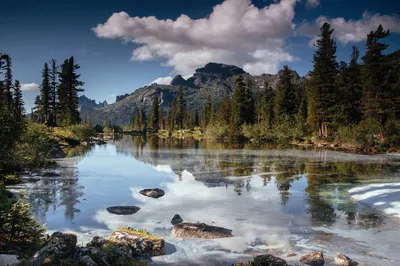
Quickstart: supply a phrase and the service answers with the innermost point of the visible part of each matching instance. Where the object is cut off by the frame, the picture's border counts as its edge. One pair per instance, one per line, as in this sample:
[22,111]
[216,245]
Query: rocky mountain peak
[221,70]
[178,81]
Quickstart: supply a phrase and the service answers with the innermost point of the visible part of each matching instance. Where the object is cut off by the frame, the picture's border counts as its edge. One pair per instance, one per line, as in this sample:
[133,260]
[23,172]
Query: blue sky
[119,53]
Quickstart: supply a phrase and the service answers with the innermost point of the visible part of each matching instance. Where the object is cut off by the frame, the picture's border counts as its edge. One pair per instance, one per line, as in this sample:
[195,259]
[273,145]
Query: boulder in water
[342,260]
[140,243]
[200,230]
[313,258]
[176,219]
[267,260]
[123,210]
[153,193]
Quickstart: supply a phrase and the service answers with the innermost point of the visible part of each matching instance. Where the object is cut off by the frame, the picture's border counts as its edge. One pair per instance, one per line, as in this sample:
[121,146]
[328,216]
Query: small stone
[123,210]
[176,219]
[313,258]
[342,260]
[152,193]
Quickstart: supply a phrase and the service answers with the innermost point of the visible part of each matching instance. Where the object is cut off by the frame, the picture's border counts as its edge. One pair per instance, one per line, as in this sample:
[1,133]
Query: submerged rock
[152,192]
[58,248]
[342,260]
[200,230]
[123,210]
[313,258]
[140,243]
[176,219]
[264,260]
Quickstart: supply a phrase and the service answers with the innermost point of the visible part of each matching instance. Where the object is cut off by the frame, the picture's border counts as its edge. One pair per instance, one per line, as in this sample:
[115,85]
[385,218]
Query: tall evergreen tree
[180,108]
[239,108]
[136,120]
[285,94]
[161,123]
[154,114]
[207,113]
[7,84]
[322,94]
[45,97]
[354,88]
[196,119]
[68,88]
[267,105]
[376,104]
[250,111]
[18,102]
[53,76]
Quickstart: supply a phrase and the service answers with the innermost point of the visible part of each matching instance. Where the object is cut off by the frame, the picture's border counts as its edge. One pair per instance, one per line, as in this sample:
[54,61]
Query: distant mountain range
[216,80]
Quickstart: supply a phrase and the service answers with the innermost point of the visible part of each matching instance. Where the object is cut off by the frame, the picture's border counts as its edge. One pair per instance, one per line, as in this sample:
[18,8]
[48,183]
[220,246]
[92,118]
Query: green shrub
[368,133]
[98,128]
[391,132]
[11,179]
[82,132]
[256,132]
[217,131]
[35,146]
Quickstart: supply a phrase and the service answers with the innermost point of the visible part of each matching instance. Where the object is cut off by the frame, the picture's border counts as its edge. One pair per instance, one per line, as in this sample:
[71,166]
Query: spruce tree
[375,103]
[267,105]
[354,88]
[322,94]
[45,97]
[7,83]
[180,108]
[136,120]
[18,102]
[250,111]
[207,113]
[53,76]
[239,108]
[196,119]
[285,94]
[154,114]
[161,125]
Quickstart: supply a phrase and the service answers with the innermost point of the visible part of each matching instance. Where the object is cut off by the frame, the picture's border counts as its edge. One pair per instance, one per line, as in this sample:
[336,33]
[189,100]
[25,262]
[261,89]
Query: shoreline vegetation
[352,106]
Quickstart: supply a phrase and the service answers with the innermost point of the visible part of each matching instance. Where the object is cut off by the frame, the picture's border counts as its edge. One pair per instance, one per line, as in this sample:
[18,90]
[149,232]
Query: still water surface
[272,199]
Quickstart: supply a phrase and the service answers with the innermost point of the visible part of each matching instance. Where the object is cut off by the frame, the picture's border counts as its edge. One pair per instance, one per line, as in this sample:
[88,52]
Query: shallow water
[273,200]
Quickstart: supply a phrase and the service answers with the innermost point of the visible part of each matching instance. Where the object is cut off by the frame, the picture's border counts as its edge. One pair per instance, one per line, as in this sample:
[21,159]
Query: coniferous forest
[354,104]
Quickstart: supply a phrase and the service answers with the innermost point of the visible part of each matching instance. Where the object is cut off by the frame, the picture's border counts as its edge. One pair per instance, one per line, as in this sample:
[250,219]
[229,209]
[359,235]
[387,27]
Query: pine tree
[224,112]
[136,120]
[68,88]
[45,97]
[142,120]
[18,102]
[285,95]
[354,88]
[196,119]
[8,86]
[322,94]
[267,106]
[53,75]
[375,105]
[250,111]
[207,113]
[180,109]
[154,114]
[239,108]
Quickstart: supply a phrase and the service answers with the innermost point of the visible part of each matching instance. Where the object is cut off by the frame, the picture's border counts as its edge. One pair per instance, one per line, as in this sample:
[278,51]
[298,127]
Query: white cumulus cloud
[233,33]
[162,80]
[347,31]
[29,87]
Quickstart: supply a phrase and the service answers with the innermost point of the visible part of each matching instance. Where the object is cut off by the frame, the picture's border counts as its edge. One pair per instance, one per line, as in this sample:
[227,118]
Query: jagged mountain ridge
[216,80]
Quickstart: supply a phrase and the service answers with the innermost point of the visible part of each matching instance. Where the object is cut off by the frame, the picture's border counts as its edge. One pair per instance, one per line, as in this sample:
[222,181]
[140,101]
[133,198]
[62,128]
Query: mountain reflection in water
[288,199]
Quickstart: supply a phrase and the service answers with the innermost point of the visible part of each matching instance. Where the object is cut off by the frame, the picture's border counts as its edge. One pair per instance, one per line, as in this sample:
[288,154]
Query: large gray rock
[313,258]
[342,260]
[264,260]
[140,243]
[59,247]
[123,210]
[200,230]
[87,261]
[6,259]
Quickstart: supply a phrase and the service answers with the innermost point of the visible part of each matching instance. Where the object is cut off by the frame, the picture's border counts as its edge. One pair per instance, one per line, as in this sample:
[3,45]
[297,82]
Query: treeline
[58,103]
[356,102]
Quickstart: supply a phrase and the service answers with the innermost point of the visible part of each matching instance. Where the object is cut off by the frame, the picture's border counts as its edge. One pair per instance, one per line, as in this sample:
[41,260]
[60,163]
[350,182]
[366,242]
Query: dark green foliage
[376,102]
[180,107]
[45,97]
[69,86]
[267,107]
[239,108]
[285,101]
[53,75]
[154,115]
[322,94]
[18,102]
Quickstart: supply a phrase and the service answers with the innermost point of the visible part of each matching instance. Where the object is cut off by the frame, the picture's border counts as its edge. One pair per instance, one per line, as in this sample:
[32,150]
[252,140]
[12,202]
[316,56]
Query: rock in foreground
[123,210]
[141,243]
[152,193]
[342,260]
[264,260]
[313,258]
[200,230]
[176,219]
[58,248]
